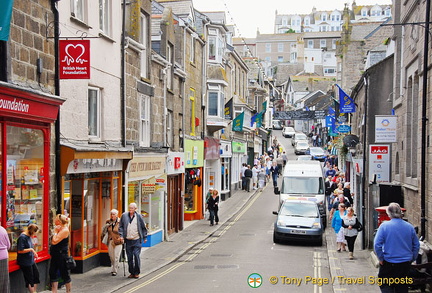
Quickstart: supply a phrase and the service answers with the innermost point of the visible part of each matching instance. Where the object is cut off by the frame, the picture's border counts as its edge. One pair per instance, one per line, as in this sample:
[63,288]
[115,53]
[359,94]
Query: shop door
[171,204]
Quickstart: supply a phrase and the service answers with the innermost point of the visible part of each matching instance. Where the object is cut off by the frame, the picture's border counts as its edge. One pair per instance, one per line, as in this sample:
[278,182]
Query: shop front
[91,188]
[238,158]
[193,194]
[26,131]
[225,158]
[174,208]
[147,186]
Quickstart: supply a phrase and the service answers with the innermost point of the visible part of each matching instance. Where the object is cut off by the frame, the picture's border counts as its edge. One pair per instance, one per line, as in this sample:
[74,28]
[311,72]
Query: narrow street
[242,247]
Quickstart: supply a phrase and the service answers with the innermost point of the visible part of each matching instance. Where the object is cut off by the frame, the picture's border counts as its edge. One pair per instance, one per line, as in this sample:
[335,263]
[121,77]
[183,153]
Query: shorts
[31,275]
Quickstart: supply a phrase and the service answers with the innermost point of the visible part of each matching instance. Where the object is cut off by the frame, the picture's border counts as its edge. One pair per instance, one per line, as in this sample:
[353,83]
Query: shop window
[25,178]
[225,174]
[193,182]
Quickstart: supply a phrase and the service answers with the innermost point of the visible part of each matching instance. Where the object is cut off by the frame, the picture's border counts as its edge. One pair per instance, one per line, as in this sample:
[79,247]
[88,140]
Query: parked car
[317,153]
[277,125]
[288,131]
[298,220]
[304,158]
[301,148]
[298,136]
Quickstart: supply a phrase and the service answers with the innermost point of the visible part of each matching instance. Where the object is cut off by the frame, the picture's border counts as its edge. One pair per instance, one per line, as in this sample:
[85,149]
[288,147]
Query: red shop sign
[74,59]
[379,150]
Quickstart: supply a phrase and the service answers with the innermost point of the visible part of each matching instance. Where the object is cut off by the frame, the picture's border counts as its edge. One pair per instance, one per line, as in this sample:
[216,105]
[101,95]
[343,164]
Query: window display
[193,181]
[24,183]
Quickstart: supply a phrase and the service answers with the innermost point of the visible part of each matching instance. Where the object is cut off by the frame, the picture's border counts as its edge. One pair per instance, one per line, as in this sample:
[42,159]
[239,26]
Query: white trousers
[114,254]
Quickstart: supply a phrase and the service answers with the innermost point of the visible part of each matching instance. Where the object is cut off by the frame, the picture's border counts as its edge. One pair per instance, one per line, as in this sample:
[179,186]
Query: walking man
[242,176]
[133,231]
[396,246]
[248,177]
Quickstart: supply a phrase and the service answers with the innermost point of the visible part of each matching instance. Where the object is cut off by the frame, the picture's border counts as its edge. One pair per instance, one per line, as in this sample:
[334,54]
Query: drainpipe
[57,93]
[123,79]
[424,121]
[363,183]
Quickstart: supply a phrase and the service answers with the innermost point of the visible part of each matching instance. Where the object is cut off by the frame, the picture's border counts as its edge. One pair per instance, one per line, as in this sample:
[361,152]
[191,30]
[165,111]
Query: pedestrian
[262,178]
[255,172]
[133,232]
[279,162]
[59,251]
[340,199]
[208,195]
[248,177]
[4,260]
[396,246]
[284,158]
[337,226]
[347,192]
[242,176]
[314,140]
[114,240]
[26,258]
[330,172]
[275,173]
[213,206]
[350,223]
[268,165]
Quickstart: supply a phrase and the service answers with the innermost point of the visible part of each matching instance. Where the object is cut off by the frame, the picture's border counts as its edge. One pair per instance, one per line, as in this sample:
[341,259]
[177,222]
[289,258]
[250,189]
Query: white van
[304,180]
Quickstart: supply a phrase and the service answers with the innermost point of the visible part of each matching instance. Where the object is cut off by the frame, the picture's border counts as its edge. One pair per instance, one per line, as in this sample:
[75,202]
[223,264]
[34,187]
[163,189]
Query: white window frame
[324,17]
[105,16]
[323,43]
[307,21]
[143,39]
[94,133]
[280,47]
[170,124]
[217,40]
[192,49]
[268,47]
[334,44]
[310,44]
[220,99]
[280,59]
[145,121]
[78,9]
[170,59]
[293,57]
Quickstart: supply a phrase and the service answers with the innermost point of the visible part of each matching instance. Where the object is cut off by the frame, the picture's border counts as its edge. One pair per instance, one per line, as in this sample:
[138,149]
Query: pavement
[348,275]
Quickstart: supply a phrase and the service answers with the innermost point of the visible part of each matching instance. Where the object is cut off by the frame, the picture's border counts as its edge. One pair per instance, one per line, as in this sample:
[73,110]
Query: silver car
[298,220]
[301,148]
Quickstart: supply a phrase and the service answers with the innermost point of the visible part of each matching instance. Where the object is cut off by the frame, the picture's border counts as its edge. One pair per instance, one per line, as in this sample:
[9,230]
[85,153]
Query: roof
[180,7]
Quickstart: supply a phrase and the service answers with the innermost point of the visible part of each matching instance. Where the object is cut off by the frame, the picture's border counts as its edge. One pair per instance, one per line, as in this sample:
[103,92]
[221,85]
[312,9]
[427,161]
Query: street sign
[343,128]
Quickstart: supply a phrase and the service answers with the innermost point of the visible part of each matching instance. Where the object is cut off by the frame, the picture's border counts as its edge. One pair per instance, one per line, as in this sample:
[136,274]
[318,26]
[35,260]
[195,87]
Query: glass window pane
[90,221]
[213,104]
[93,112]
[25,180]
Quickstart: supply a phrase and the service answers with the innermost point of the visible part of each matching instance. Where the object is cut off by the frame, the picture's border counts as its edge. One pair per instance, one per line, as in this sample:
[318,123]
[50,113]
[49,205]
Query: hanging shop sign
[194,153]
[385,128]
[238,147]
[74,59]
[175,163]
[211,148]
[379,163]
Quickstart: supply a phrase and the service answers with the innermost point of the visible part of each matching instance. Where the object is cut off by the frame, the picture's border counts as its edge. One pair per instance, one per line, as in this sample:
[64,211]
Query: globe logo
[385,122]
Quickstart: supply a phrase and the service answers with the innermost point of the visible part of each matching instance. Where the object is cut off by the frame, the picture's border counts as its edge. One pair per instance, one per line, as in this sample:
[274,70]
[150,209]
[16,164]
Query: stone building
[412,86]
[29,107]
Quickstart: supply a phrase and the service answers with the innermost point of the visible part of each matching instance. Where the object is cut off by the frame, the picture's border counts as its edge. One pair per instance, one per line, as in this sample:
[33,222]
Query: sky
[248,15]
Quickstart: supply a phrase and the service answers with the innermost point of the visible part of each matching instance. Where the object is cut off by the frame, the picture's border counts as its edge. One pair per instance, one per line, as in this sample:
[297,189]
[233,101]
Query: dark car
[298,220]
[317,153]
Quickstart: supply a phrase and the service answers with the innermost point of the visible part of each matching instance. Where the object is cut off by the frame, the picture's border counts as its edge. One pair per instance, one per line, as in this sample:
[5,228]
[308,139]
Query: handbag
[360,226]
[70,262]
[105,239]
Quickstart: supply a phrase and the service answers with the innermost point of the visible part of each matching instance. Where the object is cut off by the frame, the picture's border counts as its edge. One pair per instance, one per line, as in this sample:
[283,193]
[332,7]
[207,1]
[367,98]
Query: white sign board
[385,128]
[379,163]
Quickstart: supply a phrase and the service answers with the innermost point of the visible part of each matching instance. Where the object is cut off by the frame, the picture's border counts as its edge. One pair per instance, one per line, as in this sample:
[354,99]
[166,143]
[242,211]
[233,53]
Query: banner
[259,119]
[5,18]
[253,119]
[238,122]
[346,104]
[229,110]
[331,111]
[74,59]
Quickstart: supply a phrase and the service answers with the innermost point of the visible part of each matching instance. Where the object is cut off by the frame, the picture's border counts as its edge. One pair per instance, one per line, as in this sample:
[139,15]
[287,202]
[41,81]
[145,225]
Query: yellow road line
[192,256]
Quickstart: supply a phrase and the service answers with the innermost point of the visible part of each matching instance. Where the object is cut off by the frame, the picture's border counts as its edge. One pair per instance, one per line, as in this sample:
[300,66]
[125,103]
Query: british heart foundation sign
[74,59]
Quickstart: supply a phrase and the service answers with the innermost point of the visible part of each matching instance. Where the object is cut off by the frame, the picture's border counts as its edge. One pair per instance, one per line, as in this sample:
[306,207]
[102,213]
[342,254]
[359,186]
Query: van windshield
[302,185]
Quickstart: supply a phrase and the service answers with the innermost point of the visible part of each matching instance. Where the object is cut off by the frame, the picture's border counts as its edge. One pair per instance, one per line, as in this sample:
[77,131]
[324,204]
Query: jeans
[133,251]
[243,183]
[214,216]
[247,183]
[275,178]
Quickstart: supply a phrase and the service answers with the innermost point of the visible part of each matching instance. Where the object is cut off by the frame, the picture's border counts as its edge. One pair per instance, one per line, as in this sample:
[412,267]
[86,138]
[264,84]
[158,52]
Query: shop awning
[70,152]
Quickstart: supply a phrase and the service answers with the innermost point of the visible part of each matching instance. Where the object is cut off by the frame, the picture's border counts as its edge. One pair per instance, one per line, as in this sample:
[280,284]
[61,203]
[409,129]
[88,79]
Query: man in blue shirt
[330,172]
[396,246]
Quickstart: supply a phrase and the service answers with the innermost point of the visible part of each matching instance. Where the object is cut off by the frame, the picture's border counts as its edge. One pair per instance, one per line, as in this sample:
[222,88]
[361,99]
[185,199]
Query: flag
[264,106]
[259,119]
[330,121]
[253,119]
[229,110]
[331,111]
[346,104]
[5,18]
[238,122]
[307,108]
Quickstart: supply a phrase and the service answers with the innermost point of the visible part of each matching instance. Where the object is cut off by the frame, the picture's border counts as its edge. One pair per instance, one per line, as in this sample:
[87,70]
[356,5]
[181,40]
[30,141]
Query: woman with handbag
[59,251]
[351,225]
[111,238]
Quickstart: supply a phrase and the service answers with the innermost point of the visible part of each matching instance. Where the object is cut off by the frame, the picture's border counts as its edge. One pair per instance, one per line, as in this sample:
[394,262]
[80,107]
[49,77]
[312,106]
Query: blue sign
[343,128]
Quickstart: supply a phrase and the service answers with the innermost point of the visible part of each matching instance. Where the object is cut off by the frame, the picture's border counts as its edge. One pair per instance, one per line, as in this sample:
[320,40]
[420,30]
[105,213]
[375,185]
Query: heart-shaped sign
[74,53]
